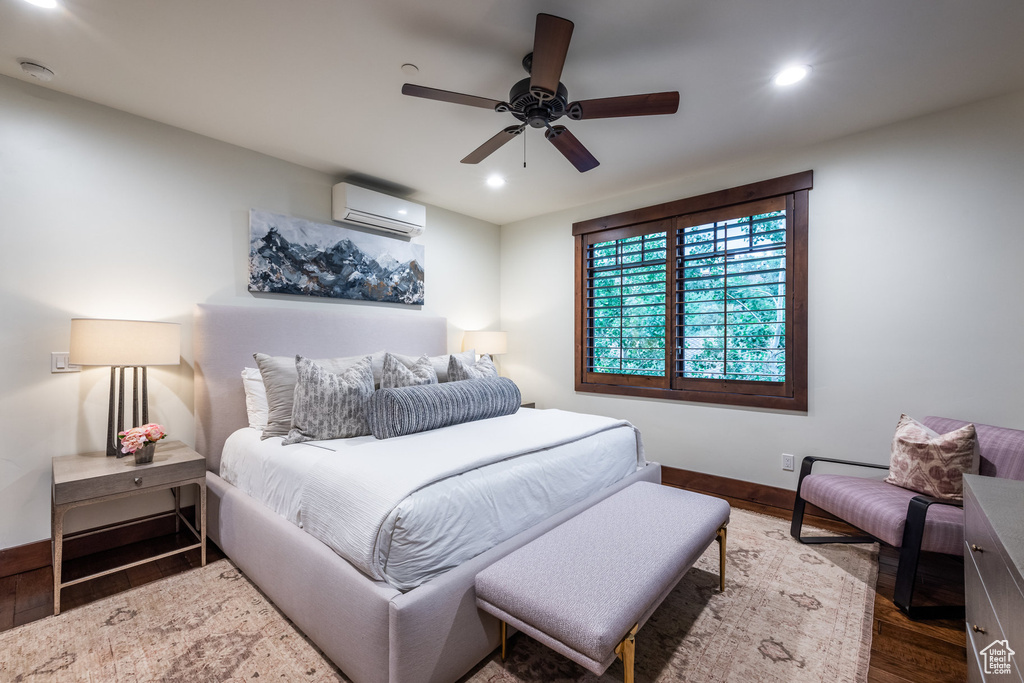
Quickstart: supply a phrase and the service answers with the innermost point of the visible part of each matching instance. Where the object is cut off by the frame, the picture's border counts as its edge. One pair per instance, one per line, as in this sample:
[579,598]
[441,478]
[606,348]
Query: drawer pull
[138,481]
[978,629]
[977,548]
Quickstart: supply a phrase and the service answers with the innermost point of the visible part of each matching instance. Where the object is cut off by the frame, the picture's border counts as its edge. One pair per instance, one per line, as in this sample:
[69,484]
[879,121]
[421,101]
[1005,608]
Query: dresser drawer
[974,661]
[980,613]
[129,477]
[988,555]
[995,602]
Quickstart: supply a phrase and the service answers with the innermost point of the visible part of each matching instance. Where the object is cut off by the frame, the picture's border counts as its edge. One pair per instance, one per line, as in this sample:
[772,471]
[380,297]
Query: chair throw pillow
[330,405]
[459,369]
[402,371]
[408,410]
[931,463]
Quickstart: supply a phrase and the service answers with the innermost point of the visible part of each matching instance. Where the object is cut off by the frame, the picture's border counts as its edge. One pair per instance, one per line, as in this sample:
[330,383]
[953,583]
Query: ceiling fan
[541,99]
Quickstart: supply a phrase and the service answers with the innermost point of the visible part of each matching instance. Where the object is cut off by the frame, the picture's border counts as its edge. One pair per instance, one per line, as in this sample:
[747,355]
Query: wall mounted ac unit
[369,209]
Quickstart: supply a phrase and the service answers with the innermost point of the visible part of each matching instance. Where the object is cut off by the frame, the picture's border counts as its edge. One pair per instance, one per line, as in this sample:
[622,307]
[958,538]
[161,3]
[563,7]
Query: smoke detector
[37,71]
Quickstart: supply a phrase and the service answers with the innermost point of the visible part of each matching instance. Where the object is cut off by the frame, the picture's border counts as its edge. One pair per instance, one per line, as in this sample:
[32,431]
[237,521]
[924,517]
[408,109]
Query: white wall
[916,243]
[105,214]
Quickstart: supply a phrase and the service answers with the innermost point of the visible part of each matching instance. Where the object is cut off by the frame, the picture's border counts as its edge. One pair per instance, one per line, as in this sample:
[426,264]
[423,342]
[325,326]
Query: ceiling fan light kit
[541,99]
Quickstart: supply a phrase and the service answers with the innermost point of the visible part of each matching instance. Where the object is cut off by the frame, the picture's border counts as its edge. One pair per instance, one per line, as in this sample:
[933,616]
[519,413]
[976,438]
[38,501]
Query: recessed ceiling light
[37,71]
[495,180]
[48,4]
[791,74]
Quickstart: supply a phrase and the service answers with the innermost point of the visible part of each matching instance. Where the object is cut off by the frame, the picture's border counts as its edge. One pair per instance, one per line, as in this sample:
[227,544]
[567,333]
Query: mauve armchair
[901,518]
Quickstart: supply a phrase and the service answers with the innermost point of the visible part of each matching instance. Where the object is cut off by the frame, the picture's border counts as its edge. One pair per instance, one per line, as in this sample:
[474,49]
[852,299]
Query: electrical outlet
[59,362]
[787,462]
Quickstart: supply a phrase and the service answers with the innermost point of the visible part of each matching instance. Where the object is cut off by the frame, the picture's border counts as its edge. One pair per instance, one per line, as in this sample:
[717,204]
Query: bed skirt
[374,633]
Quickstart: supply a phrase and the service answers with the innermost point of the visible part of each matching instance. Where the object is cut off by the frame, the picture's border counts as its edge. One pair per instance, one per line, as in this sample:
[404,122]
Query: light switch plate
[59,362]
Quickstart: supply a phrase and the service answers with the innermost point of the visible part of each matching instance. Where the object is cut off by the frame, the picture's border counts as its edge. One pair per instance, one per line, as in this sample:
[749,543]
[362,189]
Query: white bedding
[407,509]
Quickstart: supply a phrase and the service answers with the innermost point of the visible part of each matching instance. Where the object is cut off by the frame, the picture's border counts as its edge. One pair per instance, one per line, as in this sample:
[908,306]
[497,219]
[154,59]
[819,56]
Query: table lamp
[123,344]
[485,341]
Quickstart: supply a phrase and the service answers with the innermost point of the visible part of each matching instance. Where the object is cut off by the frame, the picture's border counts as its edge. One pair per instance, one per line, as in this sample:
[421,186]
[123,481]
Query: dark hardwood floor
[901,650]
[28,596]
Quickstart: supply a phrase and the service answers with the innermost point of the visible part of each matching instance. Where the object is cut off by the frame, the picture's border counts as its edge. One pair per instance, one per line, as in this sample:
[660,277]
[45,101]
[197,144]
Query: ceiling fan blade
[628,105]
[550,45]
[449,96]
[491,146]
[571,148]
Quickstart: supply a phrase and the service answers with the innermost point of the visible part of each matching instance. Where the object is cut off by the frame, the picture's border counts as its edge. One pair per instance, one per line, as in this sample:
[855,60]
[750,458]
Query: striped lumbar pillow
[407,410]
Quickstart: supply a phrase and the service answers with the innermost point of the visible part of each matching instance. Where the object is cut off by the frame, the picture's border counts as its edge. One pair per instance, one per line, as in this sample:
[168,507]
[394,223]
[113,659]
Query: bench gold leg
[721,559]
[626,651]
[504,651]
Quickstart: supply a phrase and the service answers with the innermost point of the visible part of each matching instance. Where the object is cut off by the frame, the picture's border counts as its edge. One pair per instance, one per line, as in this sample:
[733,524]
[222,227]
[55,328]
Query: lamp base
[117,389]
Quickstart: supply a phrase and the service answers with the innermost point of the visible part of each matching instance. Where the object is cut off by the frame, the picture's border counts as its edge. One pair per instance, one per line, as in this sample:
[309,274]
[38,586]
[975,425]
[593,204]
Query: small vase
[145,454]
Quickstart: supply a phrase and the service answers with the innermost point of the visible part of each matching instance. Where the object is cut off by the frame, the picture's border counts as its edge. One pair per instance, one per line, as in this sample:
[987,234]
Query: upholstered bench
[586,587]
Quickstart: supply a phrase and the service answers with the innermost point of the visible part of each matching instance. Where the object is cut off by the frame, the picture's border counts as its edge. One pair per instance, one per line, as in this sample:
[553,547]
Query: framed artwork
[295,256]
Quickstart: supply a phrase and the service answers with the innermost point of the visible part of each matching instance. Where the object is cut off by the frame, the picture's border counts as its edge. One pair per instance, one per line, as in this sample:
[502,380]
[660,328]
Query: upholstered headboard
[225,337]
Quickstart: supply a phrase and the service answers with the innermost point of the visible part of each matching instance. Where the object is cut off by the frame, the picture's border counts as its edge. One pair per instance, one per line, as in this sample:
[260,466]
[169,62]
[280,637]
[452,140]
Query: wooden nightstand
[90,478]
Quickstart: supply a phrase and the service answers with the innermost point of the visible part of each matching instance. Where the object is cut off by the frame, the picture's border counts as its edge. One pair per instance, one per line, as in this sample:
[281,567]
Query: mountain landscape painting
[295,256]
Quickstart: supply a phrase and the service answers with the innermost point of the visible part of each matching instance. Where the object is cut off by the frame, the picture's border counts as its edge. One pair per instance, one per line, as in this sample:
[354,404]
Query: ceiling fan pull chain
[524,151]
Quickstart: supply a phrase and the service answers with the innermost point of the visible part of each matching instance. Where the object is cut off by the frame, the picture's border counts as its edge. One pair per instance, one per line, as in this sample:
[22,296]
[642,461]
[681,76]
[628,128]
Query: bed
[374,630]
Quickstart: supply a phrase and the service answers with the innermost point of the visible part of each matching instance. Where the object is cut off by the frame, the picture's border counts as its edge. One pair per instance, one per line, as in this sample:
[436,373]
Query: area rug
[789,613]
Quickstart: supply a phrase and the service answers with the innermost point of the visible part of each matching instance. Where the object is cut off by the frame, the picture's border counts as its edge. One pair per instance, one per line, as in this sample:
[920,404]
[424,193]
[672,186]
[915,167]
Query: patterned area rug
[789,613]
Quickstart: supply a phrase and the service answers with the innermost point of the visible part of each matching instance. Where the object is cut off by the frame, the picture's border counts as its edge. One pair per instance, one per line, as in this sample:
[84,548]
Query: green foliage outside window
[733,295]
[729,290]
[627,280]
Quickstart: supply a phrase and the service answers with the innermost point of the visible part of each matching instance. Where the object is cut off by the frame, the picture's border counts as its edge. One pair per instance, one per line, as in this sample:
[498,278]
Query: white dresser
[993,567]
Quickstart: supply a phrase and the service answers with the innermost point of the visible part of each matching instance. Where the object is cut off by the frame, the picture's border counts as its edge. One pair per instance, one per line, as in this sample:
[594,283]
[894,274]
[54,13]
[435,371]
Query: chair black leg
[798,517]
[800,505]
[906,573]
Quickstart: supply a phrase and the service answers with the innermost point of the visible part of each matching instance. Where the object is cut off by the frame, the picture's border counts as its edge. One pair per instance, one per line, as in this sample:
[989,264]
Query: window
[701,299]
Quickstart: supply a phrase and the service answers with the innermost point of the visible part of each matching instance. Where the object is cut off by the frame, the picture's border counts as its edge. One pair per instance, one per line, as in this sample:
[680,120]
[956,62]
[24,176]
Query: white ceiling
[317,82]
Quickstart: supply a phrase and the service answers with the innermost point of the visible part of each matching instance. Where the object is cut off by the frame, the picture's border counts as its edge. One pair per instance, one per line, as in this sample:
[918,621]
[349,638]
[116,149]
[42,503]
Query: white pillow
[255,398]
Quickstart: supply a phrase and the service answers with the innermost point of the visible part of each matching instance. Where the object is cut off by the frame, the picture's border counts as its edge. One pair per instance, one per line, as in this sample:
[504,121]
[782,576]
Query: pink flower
[154,432]
[137,437]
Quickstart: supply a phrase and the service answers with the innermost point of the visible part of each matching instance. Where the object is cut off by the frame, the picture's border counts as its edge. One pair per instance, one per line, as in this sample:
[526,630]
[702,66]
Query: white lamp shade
[124,342]
[485,341]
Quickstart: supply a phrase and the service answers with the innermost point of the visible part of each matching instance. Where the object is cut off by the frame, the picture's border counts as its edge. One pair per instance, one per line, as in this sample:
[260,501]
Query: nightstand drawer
[91,476]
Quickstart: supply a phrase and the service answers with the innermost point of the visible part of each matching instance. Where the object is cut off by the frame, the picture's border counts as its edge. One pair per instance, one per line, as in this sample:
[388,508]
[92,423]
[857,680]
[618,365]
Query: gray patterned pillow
[330,405]
[440,363]
[402,371]
[408,410]
[279,380]
[459,370]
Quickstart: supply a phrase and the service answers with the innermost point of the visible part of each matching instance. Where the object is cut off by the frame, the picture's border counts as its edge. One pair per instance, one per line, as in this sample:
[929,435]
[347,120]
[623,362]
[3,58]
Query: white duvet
[404,510]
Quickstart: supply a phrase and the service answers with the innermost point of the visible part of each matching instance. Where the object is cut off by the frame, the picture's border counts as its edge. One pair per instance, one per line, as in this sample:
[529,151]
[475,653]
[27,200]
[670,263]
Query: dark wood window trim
[788,395]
